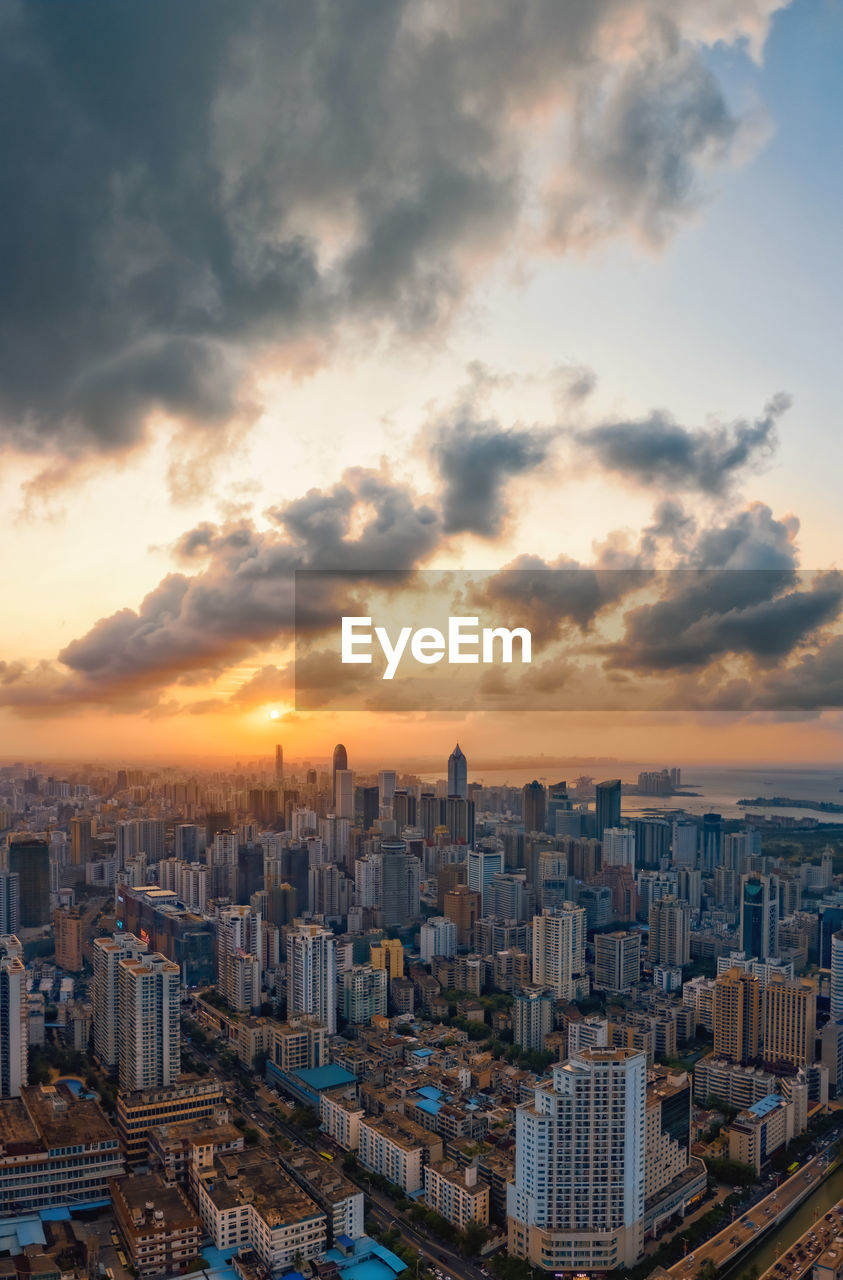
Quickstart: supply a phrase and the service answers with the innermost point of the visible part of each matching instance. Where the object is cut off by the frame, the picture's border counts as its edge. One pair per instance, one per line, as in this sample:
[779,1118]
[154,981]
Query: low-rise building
[397,1149]
[341,1119]
[160,1229]
[55,1148]
[171,1146]
[456,1193]
[246,1200]
[190,1098]
[757,1132]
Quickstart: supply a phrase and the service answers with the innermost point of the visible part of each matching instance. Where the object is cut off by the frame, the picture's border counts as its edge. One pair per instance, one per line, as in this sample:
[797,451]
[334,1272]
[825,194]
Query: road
[802,1254]
[379,1206]
[753,1223]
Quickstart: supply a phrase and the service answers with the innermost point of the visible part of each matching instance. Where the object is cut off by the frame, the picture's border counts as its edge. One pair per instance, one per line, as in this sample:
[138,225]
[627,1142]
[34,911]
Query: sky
[404,285]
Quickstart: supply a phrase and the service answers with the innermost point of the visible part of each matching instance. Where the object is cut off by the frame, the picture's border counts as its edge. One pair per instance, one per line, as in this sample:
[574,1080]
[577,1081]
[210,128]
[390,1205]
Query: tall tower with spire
[340,762]
[457,773]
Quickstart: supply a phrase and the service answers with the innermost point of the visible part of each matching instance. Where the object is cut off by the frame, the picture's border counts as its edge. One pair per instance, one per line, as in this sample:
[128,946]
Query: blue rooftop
[430,1105]
[429,1091]
[327,1077]
[422,1053]
[369,1261]
[764,1106]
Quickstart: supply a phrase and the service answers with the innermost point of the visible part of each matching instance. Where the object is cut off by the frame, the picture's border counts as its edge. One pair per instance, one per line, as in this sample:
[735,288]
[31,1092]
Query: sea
[719,789]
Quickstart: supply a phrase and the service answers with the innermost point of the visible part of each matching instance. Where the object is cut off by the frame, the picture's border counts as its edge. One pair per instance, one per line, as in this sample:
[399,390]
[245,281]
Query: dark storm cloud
[190,628]
[475,460]
[186,186]
[659,451]
[763,615]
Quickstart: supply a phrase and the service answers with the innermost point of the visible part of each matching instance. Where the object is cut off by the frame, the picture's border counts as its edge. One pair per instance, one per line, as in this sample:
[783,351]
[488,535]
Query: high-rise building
[149,1035]
[532,1016]
[13,1018]
[759,927]
[9,902]
[683,844]
[401,874]
[67,931]
[483,865]
[670,932]
[363,993]
[81,840]
[557,803]
[29,859]
[737,1006]
[457,773]
[105,992]
[837,975]
[559,950]
[534,806]
[577,1201]
[438,937]
[462,905]
[279,764]
[312,974]
[388,954]
[617,961]
[607,806]
[387,778]
[340,762]
[619,847]
[652,841]
[187,845]
[790,1022]
[711,835]
[344,794]
[238,957]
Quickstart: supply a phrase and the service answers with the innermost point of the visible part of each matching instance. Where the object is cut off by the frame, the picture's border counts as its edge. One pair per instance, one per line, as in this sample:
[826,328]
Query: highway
[747,1229]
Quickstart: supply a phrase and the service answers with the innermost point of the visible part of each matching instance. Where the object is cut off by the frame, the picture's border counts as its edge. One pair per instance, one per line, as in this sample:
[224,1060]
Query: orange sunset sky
[416,286]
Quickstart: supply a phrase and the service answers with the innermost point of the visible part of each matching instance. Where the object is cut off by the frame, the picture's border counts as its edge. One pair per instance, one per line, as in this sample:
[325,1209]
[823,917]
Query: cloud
[475,460]
[192,188]
[658,451]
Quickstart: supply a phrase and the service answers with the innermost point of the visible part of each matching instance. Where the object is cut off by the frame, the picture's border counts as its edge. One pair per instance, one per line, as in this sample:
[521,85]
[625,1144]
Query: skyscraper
[619,847]
[759,928]
[401,879]
[457,773]
[149,1036]
[559,950]
[29,859]
[238,957]
[607,806]
[9,902]
[279,764]
[577,1201]
[532,1016]
[105,992]
[837,975]
[670,932]
[736,1010]
[13,1018]
[81,839]
[790,1022]
[617,961]
[533,806]
[312,974]
[483,865]
[344,793]
[711,836]
[340,761]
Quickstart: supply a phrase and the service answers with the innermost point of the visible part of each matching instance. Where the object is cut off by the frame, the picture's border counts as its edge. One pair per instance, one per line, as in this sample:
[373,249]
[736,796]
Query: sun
[274,714]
